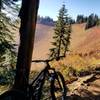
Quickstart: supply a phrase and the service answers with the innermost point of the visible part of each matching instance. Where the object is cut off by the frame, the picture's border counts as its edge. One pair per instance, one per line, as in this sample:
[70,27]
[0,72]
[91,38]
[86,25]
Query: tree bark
[28,16]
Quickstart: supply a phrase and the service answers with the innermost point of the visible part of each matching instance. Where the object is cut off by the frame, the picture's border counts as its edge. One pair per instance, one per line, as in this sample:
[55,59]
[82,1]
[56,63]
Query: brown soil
[87,91]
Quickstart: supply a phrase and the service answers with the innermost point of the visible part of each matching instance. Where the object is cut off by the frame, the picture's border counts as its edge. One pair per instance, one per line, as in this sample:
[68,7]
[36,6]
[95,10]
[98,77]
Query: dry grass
[85,41]
[75,65]
[85,47]
[4,88]
[82,41]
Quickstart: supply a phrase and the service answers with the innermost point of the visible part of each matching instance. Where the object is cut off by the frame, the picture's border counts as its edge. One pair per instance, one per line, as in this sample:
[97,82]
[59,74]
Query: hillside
[85,41]
[82,41]
[79,64]
[43,38]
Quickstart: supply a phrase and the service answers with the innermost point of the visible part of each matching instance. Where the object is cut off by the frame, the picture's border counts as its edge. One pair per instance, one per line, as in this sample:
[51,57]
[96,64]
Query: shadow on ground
[77,97]
[85,94]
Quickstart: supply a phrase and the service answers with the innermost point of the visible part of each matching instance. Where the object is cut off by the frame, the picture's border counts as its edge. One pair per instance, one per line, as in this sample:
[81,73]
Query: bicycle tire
[40,90]
[13,95]
[58,87]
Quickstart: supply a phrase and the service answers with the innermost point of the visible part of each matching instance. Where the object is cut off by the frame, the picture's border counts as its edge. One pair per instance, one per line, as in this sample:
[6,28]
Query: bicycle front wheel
[58,87]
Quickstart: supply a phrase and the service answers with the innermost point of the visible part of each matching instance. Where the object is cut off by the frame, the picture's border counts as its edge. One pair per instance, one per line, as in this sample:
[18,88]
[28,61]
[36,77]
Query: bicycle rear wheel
[41,90]
[58,87]
[13,95]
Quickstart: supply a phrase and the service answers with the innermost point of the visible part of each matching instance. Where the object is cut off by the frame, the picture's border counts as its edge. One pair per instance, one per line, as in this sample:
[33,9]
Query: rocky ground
[85,88]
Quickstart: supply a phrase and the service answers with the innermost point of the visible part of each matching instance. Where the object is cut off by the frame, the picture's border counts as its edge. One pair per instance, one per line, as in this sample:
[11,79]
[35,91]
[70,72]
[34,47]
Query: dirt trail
[82,90]
[95,87]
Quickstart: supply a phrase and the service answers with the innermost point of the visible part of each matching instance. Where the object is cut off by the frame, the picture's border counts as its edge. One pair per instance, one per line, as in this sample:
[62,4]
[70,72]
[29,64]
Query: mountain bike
[48,85]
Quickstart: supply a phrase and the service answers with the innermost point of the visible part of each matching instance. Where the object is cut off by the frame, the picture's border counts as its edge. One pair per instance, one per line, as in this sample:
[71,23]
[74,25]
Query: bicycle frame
[36,86]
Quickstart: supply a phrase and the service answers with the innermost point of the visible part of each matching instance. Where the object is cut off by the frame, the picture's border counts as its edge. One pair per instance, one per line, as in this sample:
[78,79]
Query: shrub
[6,76]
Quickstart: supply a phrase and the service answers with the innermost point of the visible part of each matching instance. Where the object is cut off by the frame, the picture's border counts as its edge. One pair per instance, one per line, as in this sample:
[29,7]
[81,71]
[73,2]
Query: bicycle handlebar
[47,60]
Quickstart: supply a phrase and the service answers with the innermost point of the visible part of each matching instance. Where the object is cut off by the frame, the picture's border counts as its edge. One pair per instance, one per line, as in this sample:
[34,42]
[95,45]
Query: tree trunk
[28,15]
[59,47]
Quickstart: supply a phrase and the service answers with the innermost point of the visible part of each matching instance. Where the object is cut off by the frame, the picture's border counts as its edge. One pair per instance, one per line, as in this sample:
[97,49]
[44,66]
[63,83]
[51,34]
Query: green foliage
[6,76]
[6,40]
[61,35]
[7,3]
[81,19]
[92,20]
[67,71]
[71,21]
[7,50]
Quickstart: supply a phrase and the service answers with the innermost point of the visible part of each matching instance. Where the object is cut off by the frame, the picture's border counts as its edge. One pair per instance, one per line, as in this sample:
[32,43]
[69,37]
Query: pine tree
[6,38]
[61,35]
[92,21]
[7,51]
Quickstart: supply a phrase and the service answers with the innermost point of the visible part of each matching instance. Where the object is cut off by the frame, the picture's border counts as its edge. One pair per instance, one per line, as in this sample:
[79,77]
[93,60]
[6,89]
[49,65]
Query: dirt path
[82,90]
[95,87]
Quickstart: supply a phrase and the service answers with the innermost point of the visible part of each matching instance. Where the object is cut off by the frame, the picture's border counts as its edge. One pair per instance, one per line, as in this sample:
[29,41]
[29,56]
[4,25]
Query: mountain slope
[82,41]
[43,38]
[85,41]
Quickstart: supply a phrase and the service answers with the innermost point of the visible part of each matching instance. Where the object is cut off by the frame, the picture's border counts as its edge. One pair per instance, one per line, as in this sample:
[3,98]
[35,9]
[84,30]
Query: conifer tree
[92,21]
[61,35]
[7,51]
[6,37]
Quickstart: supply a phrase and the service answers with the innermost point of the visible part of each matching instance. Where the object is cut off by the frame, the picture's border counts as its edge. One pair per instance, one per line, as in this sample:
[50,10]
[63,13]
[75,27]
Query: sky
[74,7]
